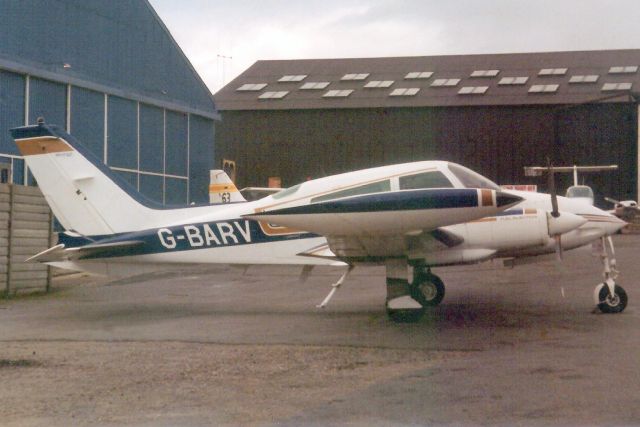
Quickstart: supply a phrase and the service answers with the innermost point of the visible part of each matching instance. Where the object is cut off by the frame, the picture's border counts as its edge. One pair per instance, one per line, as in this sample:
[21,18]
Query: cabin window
[374,187]
[432,179]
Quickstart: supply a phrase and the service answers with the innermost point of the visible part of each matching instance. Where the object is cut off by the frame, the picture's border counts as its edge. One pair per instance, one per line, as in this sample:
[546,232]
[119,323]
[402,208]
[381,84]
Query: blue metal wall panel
[18,171]
[122,133]
[108,42]
[49,100]
[151,139]
[11,109]
[175,192]
[87,119]
[201,157]
[151,187]
[176,143]
[130,177]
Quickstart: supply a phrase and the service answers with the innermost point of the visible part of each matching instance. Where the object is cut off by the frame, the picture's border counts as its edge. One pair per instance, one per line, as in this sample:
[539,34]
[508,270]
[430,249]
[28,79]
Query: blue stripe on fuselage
[232,232]
[405,200]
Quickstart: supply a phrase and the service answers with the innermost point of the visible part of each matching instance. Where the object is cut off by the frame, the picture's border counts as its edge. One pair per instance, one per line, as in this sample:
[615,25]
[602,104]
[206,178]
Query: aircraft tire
[617,304]
[405,316]
[427,288]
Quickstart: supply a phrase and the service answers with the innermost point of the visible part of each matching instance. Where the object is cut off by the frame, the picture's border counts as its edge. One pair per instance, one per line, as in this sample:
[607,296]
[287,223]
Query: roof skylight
[485,73]
[616,86]
[513,80]
[292,78]
[248,87]
[361,76]
[274,94]
[405,91]
[337,93]
[418,75]
[314,85]
[589,78]
[473,90]
[553,72]
[445,82]
[628,69]
[543,88]
[378,83]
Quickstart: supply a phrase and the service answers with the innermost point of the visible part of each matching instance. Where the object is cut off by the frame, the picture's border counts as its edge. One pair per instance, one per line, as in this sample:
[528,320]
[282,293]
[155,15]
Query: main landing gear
[407,301]
[608,295]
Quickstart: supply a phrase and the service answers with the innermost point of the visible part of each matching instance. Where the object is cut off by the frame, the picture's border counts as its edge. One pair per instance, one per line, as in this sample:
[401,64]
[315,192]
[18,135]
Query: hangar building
[495,113]
[109,73]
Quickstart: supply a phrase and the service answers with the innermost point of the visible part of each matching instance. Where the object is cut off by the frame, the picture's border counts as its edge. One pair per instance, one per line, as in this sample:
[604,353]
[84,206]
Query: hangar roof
[118,47]
[421,81]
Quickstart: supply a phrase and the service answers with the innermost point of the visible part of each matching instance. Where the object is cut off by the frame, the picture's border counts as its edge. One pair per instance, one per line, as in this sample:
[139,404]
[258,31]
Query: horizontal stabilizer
[52,254]
[61,253]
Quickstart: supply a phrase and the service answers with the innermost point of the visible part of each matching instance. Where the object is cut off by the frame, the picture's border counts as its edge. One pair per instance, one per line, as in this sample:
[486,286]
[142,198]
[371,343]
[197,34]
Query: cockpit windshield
[287,192]
[580,191]
[471,179]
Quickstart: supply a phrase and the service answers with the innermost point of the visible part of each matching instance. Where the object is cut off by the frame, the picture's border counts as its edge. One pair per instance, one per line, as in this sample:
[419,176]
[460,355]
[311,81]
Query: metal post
[638,153]
[51,243]
[9,239]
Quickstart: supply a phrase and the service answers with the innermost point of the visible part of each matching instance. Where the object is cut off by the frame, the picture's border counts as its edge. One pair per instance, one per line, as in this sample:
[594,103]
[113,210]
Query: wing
[375,226]
[390,213]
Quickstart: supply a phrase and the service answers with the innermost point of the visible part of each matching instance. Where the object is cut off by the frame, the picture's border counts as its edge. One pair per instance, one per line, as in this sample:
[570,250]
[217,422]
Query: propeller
[555,213]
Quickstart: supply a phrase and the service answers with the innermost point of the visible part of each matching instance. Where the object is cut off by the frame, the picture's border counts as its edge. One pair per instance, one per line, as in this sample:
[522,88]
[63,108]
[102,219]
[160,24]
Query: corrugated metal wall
[201,157]
[117,43]
[111,74]
[87,120]
[497,141]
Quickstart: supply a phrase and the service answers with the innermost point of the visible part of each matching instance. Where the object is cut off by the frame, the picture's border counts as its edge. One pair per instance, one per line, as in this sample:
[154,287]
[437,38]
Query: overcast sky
[246,31]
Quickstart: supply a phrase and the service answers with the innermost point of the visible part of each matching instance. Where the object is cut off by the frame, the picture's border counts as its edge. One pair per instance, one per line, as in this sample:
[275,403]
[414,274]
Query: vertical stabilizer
[222,189]
[84,194]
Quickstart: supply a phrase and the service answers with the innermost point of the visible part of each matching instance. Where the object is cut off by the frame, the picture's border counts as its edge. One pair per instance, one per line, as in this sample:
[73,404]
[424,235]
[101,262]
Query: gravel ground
[174,383]
[225,346]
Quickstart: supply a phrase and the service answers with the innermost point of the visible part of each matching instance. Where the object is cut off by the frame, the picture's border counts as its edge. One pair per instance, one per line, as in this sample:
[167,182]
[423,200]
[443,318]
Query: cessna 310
[408,217]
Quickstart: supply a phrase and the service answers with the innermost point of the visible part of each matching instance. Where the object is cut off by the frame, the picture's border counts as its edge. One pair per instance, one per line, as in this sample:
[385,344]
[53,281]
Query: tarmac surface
[227,346]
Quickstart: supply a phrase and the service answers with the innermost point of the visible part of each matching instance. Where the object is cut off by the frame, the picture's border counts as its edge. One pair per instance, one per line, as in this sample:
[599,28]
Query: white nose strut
[564,223]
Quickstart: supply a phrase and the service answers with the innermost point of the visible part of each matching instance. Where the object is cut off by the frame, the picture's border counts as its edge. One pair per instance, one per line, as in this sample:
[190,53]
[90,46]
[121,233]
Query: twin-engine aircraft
[408,217]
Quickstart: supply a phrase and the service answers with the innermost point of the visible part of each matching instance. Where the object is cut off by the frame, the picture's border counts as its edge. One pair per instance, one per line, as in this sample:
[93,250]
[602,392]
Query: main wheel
[615,303]
[427,289]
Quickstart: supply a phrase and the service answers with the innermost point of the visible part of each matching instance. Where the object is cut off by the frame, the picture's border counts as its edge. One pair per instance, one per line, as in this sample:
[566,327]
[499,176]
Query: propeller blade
[610,200]
[559,253]
[552,189]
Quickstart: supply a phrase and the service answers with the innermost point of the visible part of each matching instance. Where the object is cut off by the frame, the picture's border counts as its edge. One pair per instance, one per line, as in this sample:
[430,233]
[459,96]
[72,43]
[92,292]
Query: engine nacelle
[517,228]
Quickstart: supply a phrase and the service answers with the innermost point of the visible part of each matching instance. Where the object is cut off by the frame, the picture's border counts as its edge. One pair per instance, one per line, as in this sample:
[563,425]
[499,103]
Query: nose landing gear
[608,295]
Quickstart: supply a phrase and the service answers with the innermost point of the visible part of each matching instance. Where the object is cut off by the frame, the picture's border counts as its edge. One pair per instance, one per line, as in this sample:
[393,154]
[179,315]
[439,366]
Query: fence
[25,230]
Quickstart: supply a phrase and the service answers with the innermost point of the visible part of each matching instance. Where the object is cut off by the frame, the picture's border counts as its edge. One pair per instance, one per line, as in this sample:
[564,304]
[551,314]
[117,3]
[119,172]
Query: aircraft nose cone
[506,200]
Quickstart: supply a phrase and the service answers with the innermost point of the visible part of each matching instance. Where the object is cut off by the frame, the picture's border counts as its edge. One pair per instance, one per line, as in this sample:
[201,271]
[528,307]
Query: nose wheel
[609,302]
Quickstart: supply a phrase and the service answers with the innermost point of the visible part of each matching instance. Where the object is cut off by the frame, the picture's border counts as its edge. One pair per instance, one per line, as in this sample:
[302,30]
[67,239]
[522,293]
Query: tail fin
[84,194]
[222,189]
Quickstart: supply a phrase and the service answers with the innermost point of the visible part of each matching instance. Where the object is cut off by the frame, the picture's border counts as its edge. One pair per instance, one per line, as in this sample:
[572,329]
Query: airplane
[223,190]
[627,210]
[408,217]
[576,191]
